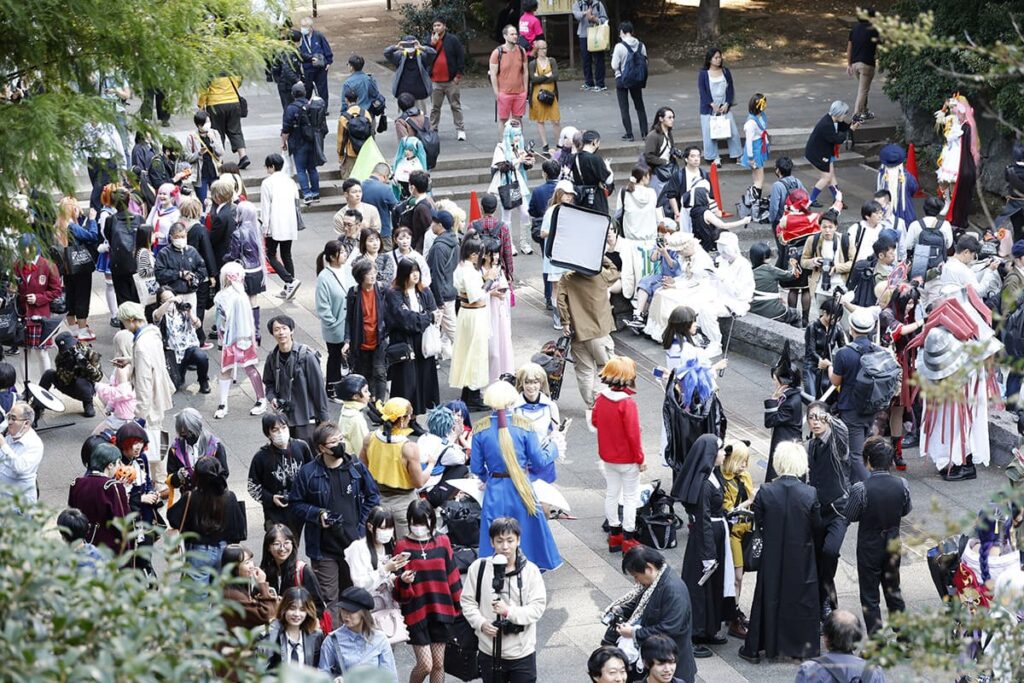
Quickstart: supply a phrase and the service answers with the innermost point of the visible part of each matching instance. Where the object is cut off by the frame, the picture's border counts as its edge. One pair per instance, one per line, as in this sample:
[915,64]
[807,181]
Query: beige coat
[153,387]
[843,263]
[583,302]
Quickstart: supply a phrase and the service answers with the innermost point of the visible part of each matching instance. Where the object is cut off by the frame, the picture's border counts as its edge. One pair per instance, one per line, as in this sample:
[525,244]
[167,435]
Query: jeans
[621,480]
[285,268]
[305,169]
[197,357]
[204,561]
[637,93]
[593,65]
[711,146]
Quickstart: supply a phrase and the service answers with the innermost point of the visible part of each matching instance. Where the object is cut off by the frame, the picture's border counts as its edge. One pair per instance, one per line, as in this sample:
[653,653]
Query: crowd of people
[901,349]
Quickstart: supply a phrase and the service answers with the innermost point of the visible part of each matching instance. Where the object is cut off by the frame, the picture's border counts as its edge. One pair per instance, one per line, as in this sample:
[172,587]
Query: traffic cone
[716,192]
[474,208]
[912,169]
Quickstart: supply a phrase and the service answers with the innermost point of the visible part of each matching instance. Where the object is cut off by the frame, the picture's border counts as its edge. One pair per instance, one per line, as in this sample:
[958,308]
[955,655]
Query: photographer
[78,370]
[659,604]
[178,324]
[180,266]
[295,385]
[827,257]
[503,598]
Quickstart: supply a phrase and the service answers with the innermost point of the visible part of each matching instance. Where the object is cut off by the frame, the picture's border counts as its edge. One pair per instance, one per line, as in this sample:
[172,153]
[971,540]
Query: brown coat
[842,263]
[583,302]
[260,609]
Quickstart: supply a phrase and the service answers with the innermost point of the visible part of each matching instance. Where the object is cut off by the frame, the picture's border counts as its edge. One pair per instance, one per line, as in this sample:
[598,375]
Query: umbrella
[546,493]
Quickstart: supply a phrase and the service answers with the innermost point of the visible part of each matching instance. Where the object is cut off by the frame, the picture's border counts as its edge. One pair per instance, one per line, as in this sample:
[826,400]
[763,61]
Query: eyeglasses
[817,417]
[280,545]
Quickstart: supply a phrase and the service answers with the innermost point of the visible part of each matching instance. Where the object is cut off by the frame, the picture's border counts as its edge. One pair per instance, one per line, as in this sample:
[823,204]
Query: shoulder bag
[510,193]
[243,104]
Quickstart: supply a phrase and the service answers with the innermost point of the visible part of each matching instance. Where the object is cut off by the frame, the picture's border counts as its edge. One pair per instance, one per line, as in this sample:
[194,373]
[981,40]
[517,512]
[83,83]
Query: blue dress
[756,147]
[501,498]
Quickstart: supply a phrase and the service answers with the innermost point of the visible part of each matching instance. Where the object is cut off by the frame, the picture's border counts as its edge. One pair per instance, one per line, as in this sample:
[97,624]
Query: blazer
[274,645]
[704,88]
[822,141]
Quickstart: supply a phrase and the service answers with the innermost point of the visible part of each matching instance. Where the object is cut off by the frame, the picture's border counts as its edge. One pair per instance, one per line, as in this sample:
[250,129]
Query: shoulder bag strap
[480,580]
[184,517]
[300,566]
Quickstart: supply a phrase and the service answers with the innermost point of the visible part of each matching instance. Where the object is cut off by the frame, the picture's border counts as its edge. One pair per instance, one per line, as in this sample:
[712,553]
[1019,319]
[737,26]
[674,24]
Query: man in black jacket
[180,266]
[828,459]
[446,75]
[365,301]
[592,175]
[293,380]
[879,503]
[273,470]
[442,259]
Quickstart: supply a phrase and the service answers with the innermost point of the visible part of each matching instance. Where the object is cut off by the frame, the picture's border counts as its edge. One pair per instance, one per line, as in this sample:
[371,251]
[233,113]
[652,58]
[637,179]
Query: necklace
[423,550]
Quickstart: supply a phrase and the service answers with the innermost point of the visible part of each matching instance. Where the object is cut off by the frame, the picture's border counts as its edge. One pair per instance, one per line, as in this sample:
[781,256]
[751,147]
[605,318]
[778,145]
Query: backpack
[401,213]
[377,102]
[358,128]
[862,282]
[657,521]
[431,142]
[634,68]
[1012,334]
[878,380]
[936,243]
[121,236]
[462,517]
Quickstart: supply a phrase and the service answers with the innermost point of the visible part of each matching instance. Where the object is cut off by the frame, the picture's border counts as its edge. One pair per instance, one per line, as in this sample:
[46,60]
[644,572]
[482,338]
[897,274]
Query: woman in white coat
[279,215]
[510,163]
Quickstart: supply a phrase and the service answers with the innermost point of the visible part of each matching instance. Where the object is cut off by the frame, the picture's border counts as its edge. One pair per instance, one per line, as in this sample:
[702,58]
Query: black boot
[476,402]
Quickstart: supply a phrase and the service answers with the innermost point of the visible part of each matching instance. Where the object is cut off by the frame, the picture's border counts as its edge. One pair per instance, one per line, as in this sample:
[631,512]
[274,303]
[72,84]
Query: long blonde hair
[499,397]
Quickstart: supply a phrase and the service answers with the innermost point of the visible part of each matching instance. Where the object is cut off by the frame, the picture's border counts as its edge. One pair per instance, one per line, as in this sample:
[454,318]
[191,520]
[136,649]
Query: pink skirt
[232,356]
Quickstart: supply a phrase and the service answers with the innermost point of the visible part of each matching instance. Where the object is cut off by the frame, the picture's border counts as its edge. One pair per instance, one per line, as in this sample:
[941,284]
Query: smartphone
[658,372]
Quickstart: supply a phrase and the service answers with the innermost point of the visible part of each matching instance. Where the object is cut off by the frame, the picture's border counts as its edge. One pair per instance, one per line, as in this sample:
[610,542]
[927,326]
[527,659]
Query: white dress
[472,331]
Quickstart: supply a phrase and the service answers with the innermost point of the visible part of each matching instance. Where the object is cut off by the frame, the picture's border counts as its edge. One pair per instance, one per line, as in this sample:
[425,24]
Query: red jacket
[617,421]
[42,279]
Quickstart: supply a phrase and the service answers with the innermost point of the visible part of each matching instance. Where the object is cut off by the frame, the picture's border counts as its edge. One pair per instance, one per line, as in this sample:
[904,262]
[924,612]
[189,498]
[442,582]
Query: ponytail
[331,249]
[635,176]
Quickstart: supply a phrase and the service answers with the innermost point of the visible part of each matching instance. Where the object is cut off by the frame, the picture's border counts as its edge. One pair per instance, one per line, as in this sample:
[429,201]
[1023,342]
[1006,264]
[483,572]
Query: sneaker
[88,409]
[703,652]
[291,288]
[221,412]
[259,407]
[718,162]
[461,136]
[816,204]
[165,123]
[546,149]
[599,88]
[586,87]
[556,321]
[637,322]
[628,137]
[204,386]
[900,463]
[115,322]
[525,248]
[86,335]
[515,252]
[548,306]
[206,346]
[586,416]
[307,200]
[867,116]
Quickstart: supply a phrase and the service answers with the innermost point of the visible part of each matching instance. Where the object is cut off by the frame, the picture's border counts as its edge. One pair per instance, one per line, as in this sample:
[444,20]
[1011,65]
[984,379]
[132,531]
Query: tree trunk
[707,22]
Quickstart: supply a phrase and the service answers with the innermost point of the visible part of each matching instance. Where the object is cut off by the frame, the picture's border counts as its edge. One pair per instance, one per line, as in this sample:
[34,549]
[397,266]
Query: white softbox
[577,238]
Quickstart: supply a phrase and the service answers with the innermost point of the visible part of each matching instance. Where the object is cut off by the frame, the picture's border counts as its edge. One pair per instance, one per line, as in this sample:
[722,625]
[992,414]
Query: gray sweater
[579,9]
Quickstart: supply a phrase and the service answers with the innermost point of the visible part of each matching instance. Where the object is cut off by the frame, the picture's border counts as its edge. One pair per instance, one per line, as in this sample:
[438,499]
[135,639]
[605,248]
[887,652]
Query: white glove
[847,298]
[103,248]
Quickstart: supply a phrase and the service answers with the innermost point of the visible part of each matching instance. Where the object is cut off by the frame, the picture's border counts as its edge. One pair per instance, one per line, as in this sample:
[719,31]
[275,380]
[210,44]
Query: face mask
[384,536]
[179,243]
[304,30]
[280,438]
[191,439]
[206,127]
[338,451]
[420,532]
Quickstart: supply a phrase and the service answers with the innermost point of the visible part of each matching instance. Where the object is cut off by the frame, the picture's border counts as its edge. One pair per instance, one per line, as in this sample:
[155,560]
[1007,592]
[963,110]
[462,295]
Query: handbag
[78,259]
[598,37]
[299,222]
[146,287]
[546,97]
[719,128]
[392,625]
[398,352]
[753,546]
[243,104]
[462,651]
[430,343]
[511,194]
[59,306]
[665,172]
[9,327]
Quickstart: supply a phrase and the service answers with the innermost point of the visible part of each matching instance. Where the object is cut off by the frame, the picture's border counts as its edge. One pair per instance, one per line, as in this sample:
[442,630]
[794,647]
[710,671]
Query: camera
[284,405]
[826,274]
[677,153]
[989,249]
[183,306]
[659,242]
[613,617]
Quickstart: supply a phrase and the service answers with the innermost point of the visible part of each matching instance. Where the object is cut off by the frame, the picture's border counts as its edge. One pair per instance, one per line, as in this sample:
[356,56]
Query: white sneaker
[461,135]
[221,413]
[283,294]
[291,288]
[515,252]
[259,407]
[525,248]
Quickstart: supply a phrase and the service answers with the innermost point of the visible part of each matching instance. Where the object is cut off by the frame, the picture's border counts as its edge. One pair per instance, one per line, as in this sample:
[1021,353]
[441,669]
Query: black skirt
[255,282]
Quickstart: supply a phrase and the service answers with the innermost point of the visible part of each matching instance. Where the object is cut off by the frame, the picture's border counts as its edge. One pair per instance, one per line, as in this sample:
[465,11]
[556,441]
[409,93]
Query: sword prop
[725,350]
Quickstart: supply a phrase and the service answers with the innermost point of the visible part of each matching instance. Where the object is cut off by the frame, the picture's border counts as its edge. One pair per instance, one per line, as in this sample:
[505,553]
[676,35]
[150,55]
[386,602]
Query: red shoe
[628,544]
[615,542]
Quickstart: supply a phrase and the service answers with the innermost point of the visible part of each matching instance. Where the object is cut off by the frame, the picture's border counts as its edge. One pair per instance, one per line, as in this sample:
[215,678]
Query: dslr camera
[826,274]
[613,617]
[284,405]
[183,306]
[677,154]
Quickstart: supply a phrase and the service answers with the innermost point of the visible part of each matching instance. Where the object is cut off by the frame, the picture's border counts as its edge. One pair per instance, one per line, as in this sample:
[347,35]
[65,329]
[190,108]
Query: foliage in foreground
[63,623]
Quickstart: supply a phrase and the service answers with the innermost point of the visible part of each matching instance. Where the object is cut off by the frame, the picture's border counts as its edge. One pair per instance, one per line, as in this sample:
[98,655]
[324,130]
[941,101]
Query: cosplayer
[958,163]
[537,407]
[502,453]
[797,224]
[784,411]
[696,268]
[956,382]
[894,177]
[1013,212]
[726,293]
[899,325]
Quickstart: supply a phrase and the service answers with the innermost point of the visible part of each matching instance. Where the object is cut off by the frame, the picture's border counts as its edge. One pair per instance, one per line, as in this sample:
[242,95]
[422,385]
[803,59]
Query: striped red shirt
[437,588]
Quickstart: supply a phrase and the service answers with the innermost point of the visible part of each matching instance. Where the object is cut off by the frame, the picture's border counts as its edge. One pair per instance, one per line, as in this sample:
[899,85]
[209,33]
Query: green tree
[65,623]
[54,52]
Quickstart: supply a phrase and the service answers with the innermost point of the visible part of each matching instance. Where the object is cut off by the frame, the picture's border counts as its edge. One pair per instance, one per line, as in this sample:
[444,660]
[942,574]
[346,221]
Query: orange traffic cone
[716,192]
[912,169]
[474,208]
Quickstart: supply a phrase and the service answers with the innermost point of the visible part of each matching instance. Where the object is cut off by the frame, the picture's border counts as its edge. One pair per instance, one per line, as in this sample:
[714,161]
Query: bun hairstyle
[619,372]
[635,176]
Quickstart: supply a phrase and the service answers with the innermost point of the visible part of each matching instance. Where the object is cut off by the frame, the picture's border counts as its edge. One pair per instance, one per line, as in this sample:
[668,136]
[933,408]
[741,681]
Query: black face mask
[191,439]
[338,452]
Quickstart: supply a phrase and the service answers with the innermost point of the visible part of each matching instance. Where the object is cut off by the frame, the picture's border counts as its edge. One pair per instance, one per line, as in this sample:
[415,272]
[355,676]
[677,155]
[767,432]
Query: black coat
[171,263]
[785,417]
[706,541]
[354,320]
[454,54]
[669,613]
[785,613]
[222,224]
[823,140]
[300,382]
[416,379]
[199,239]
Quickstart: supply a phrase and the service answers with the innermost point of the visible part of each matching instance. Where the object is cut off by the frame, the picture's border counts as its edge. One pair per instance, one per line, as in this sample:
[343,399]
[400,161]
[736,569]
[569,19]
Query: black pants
[285,268]
[146,111]
[81,389]
[204,295]
[226,119]
[370,364]
[197,357]
[637,93]
[522,670]
[316,77]
[304,432]
[284,91]
[877,563]
[124,288]
[335,360]
[77,291]
[101,173]
[859,432]
[828,563]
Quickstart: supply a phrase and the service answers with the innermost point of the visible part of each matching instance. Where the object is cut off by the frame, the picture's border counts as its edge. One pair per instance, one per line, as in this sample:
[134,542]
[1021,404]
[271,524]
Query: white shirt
[19,464]
[867,242]
[736,284]
[956,272]
[278,194]
[915,228]
[418,258]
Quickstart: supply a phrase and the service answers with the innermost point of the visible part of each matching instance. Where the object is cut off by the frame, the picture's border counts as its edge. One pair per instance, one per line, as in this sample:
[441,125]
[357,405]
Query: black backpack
[401,213]
[431,142]
[462,517]
[1012,333]
[657,521]
[358,128]
[878,380]
[936,243]
[121,236]
[634,68]
[862,282]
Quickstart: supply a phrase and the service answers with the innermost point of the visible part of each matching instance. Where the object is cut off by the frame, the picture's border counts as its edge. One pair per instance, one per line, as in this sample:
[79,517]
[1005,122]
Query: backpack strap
[300,567]
[480,579]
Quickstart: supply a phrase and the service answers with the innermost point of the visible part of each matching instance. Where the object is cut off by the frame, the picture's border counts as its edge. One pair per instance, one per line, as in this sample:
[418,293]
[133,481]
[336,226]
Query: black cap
[65,340]
[354,599]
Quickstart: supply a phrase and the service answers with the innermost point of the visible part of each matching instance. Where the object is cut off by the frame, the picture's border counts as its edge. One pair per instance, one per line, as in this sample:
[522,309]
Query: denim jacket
[344,650]
[311,494]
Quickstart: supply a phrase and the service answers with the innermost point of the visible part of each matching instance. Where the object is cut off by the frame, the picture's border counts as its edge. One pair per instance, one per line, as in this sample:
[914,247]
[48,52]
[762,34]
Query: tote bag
[719,128]
[598,38]
[510,193]
[146,288]
[430,344]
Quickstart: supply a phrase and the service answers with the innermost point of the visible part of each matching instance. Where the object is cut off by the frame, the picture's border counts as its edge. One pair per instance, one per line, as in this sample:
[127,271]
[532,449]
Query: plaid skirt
[34,335]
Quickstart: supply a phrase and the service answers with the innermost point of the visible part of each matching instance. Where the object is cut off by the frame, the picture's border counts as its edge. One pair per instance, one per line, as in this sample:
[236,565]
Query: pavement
[590,577]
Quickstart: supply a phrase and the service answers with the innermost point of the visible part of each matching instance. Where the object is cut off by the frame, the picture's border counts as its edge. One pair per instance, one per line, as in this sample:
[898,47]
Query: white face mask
[206,127]
[179,243]
[304,30]
[280,438]
[384,536]
[420,532]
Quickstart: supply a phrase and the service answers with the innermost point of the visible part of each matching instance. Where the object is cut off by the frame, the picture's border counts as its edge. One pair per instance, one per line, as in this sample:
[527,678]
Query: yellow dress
[730,499]
[544,112]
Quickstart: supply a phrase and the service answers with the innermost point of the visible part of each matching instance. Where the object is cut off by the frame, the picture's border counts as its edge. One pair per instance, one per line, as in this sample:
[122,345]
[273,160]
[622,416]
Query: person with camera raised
[178,323]
[78,369]
[180,266]
[293,379]
[503,598]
